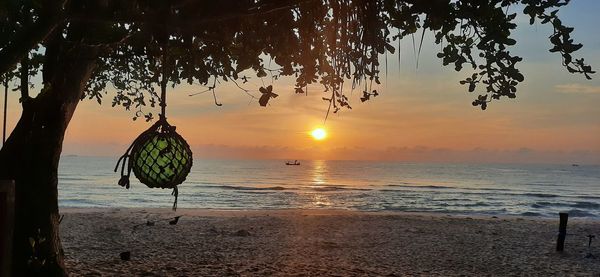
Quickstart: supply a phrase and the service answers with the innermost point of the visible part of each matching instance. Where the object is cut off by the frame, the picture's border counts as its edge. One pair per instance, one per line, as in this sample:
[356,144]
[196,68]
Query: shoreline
[324,211]
[319,243]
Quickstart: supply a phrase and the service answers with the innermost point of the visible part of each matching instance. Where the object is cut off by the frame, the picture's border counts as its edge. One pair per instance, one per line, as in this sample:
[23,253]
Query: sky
[423,114]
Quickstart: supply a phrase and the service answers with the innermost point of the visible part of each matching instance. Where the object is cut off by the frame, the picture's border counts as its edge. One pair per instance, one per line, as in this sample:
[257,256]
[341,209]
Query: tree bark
[31,156]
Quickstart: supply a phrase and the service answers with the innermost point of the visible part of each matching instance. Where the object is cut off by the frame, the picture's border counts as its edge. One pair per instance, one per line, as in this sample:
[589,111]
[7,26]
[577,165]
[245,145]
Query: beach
[326,242]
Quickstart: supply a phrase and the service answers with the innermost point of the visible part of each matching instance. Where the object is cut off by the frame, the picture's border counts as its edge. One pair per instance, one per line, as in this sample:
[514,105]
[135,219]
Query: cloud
[577,88]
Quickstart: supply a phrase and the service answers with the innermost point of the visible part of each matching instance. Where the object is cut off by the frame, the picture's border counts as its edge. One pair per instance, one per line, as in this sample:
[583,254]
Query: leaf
[390,48]
[264,100]
[267,94]
[261,73]
[519,77]
[471,87]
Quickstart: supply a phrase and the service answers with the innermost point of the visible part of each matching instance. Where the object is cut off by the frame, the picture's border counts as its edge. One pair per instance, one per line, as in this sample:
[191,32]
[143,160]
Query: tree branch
[25,40]
[24,78]
[175,22]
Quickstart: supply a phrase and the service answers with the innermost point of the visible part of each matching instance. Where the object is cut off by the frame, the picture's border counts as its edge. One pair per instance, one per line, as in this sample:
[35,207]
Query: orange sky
[422,114]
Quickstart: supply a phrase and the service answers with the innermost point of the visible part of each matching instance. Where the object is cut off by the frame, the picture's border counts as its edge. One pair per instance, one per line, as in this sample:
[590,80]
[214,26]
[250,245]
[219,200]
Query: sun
[319,134]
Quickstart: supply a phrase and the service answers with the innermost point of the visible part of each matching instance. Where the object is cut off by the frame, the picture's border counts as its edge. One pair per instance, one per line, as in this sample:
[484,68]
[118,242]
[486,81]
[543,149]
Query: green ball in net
[161,160]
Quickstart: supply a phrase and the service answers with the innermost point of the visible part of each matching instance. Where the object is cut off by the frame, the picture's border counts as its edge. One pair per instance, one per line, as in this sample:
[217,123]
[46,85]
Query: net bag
[159,158]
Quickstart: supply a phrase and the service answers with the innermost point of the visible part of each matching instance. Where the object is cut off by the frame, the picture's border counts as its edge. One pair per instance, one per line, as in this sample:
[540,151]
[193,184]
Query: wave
[450,199]
[228,187]
[466,205]
[586,205]
[406,185]
[478,204]
[336,188]
[540,205]
[492,189]
[80,203]
[474,192]
[447,187]
[72,178]
[541,195]
[540,183]
[531,214]
[280,188]
[578,205]
[580,213]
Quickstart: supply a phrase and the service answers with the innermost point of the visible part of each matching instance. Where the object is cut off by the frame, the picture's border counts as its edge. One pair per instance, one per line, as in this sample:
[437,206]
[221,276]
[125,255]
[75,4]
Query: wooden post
[7,205]
[562,231]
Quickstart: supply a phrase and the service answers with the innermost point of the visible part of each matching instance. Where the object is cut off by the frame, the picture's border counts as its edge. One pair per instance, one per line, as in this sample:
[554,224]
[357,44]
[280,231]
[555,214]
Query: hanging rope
[159,157]
[163,85]
[5,108]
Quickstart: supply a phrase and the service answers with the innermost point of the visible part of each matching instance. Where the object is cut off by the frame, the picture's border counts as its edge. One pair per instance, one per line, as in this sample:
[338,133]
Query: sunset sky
[421,115]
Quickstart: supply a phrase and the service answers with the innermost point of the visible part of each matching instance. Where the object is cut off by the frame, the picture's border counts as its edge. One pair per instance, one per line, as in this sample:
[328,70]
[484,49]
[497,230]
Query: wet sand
[320,243]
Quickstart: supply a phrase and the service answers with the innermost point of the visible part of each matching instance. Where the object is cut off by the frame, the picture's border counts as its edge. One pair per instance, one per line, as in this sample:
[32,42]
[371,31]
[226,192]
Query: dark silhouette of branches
[316,41]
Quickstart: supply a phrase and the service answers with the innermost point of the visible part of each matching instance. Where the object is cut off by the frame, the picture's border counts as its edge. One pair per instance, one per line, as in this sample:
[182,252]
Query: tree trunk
[31,156]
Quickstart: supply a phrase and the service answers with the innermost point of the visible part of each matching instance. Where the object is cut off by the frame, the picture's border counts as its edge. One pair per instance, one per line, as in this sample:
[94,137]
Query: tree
[130,44]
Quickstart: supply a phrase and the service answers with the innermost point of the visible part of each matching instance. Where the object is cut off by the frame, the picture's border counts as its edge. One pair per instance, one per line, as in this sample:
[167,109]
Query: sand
[320,243]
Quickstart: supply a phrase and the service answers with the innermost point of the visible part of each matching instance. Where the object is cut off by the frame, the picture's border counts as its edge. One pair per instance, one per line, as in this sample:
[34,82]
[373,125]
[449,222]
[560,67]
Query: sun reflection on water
[318,199]
[318,172]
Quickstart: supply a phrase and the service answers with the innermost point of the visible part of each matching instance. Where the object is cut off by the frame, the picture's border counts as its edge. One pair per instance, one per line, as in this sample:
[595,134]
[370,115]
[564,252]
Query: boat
[575,165]
[294,163]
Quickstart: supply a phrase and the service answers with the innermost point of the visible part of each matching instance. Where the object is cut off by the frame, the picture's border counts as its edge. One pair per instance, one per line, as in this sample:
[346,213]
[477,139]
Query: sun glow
[319,134]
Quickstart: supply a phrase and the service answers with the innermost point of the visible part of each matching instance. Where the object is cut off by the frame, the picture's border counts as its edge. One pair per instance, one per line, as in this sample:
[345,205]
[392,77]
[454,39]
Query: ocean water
[494,189]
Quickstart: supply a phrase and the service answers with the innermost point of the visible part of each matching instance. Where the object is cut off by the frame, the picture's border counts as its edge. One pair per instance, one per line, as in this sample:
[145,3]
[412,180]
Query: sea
[528,190]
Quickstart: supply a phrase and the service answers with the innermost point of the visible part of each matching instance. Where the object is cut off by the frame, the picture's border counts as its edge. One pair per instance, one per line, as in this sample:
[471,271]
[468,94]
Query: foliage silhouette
[322,42]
